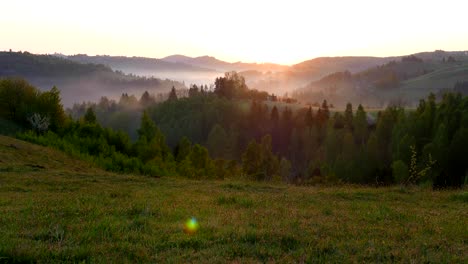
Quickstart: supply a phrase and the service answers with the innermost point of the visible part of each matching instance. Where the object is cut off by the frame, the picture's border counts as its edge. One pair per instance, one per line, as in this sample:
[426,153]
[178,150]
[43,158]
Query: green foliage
[90,116]
[148,128]
[400,171]
[49,104]
[360,125]
[183,149]
[198,164]
[417,173]
[19,101]
[259,162]
[339,147]
[217,142]
[106,148]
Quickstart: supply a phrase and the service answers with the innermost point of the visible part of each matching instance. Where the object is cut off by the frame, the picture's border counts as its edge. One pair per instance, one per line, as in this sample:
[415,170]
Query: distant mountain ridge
[77,81]
[214,63]
[180,63]
[135,64]
[404,79]
[319,77]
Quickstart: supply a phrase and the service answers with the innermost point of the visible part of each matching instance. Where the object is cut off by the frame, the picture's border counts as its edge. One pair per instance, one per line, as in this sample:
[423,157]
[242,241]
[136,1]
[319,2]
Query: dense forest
[232,131]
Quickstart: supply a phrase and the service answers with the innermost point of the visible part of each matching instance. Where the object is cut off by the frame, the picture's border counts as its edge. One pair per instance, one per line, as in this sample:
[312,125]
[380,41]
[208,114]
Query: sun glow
[263,31]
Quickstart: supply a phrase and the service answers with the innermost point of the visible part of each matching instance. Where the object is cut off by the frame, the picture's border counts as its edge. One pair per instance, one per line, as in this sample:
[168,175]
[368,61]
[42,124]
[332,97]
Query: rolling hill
[77,81]
[300,74]
[375,81]
[137,64]
[199,70]
[405,80]
[223,66]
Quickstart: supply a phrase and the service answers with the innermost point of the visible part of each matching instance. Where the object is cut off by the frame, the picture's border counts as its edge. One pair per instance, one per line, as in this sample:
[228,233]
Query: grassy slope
[55,208]
[420,87]
[444,78]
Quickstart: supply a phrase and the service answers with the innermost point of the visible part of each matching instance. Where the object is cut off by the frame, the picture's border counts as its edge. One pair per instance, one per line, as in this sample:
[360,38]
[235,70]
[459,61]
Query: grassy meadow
[56,209]
[418,87]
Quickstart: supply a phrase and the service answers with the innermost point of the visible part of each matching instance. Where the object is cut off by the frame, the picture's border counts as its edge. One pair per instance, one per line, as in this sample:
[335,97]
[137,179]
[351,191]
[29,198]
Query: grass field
[56,209]
[445,78]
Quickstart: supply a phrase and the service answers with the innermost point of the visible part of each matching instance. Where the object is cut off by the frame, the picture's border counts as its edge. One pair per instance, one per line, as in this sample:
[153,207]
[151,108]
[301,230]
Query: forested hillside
[233,131]
[76,81]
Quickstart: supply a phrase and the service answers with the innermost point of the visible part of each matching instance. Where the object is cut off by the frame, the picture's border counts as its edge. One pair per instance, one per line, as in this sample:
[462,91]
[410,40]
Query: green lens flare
[191,226]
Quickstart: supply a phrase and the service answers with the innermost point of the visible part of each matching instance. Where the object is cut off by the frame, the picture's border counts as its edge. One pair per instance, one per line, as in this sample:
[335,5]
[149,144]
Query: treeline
[122,115]
[210,135]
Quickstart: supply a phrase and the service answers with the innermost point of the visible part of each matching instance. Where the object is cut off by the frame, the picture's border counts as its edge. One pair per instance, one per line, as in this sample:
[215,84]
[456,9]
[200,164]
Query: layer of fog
[186,77]
[88,90]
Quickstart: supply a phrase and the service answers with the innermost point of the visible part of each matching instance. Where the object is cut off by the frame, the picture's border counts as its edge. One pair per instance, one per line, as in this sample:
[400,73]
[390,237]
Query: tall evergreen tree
[274,116]
[360,125]
[172,94]
[148,128]
[348,116]
[325,110]
[90,116]
[146,99]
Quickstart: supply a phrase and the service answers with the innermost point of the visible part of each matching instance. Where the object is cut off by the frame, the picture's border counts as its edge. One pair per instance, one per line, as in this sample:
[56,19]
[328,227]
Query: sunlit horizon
[283,32]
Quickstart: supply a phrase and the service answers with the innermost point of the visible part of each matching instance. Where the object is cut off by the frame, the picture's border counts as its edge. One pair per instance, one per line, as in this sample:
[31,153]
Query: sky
[277,31]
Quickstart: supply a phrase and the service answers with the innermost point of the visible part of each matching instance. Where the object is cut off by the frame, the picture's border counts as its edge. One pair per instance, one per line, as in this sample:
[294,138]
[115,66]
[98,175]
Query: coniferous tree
[325,110]
[172,94]
[360,126]
[148,128]
[274,116]
[151,142]
[90,116]
[146,100]
[348,116]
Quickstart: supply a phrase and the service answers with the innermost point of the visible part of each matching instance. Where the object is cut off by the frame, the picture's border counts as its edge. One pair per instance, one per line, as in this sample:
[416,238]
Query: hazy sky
[283,31]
